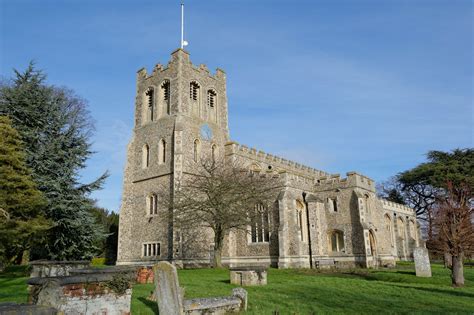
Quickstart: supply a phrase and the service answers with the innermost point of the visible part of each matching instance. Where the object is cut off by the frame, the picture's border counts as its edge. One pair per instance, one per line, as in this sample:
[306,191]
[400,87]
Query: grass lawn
[306,291]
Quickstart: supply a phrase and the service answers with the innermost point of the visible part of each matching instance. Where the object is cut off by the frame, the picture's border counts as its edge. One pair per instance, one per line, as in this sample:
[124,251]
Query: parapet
[397,207]
[180,56]
[353,179]
[274,161]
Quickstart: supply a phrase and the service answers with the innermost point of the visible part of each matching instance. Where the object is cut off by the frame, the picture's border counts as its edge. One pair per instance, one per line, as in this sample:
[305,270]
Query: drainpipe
[309,232]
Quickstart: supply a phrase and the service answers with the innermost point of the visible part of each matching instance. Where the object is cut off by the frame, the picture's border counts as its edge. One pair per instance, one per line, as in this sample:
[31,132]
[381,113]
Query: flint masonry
[181,116]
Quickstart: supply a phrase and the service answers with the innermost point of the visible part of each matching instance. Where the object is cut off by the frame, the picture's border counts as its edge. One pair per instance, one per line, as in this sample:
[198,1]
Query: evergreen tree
[21,219]
[56,127]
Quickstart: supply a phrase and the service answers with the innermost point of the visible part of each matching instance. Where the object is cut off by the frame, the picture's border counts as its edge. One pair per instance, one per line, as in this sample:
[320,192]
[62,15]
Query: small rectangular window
[151,249]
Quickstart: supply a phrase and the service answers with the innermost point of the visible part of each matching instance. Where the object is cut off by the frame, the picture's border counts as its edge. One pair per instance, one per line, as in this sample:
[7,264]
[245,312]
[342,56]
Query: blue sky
[369,86]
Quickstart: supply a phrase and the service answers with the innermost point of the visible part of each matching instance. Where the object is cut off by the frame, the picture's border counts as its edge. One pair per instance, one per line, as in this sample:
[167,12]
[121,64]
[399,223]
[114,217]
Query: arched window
[194,91]
[149,98]
[165,93]
[367,205]
[145,156]
[336,239]
[260,224]
[214,153]
[411,229]
[212,104]
[162,151]
[211,98]
[301,220]
[401,228]
[196,150]
[388,227]
[152,204]
[332,202]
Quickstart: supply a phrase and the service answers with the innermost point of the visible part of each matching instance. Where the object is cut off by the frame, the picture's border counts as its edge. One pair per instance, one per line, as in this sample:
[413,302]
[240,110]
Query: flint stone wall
[81,294]
[52,268]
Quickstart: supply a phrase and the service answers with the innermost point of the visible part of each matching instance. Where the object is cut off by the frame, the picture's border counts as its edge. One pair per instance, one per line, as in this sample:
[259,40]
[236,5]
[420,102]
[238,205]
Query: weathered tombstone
[169,296]
[168,292]
[422,262]
[248,276]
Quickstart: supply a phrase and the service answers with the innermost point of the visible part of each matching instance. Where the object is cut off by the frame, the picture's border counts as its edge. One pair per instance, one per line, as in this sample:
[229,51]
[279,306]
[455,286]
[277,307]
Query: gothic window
[152,204]
[145,156]
[212,104]
[165,93]
[411,229]
[211,98]
[336,239]
[162,151]
[149,98]
[214,153]
[196,150]
[151,249]
[194,91]
[401,228]
[388,227]
[367,204]
[260,225]
[302,221]
[194,96]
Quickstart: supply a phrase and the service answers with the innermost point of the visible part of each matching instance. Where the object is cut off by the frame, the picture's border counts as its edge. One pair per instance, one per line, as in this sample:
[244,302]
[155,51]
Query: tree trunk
[448,260]
[218,244]
[457,272]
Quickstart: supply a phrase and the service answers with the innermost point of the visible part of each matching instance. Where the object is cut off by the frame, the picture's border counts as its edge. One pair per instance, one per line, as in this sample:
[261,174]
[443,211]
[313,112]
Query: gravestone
[169,296]
[422,262]
[168,293]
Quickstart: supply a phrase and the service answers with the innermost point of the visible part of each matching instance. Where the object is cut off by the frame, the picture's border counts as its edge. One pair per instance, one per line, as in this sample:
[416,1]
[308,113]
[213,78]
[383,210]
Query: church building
[318,218]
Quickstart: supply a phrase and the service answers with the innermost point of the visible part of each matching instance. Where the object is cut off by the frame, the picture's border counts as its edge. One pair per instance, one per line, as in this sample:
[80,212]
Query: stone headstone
[168,293]
[422,262]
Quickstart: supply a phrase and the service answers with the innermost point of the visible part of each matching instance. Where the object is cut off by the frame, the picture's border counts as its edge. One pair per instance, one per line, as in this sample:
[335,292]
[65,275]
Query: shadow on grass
[454,292]
[225,281]
[150,304]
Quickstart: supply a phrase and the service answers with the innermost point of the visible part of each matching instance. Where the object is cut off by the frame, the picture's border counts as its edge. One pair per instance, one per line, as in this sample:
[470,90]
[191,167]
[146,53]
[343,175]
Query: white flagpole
[182,25]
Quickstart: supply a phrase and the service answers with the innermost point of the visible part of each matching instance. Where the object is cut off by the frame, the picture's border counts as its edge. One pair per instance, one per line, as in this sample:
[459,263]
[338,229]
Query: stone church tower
[318,218]
[180,114]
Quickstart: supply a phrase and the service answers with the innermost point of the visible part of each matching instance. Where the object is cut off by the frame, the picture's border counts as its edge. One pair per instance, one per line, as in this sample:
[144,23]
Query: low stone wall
[248,276]
[137,274]
[23,309]
[52,268]
[94,293]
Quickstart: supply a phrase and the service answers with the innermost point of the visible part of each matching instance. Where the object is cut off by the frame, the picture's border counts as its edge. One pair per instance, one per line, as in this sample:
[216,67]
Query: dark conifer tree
[56,128]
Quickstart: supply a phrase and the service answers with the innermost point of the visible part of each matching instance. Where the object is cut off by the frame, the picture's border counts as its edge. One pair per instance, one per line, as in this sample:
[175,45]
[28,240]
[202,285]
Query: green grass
[307,291]
[13,286]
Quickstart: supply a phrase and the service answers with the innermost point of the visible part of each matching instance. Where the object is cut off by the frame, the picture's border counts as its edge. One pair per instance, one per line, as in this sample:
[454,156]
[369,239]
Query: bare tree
[453,228]
[222,197]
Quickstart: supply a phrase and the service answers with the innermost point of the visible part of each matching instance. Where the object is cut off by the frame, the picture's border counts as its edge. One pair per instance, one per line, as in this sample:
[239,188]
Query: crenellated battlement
[397,207]
[279,163]
[180,56]
[353,179]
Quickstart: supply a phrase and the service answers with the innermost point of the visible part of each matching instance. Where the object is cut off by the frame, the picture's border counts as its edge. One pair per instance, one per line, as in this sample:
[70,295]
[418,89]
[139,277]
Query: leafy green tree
[56,128]
[110,222]
[422,185]
[443,186]
[21,219]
